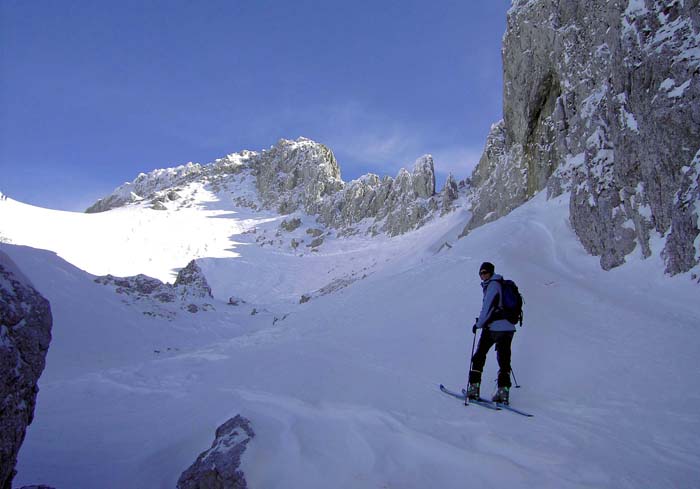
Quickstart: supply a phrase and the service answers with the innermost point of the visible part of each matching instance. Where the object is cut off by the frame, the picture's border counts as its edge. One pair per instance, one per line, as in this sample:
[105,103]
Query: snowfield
[342,391]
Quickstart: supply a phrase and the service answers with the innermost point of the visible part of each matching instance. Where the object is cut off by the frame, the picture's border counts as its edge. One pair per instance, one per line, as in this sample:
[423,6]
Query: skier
[495,330]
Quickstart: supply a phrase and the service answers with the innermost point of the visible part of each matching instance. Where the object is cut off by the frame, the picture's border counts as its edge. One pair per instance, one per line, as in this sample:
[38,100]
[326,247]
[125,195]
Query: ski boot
[501,395]
[473,391]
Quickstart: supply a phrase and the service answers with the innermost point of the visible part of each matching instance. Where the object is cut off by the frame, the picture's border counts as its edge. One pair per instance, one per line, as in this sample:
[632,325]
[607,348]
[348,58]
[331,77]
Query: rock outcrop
[140,287]
[219,467]
[290,225]
[25,334]
[190,290]
[192,283]
[602,100]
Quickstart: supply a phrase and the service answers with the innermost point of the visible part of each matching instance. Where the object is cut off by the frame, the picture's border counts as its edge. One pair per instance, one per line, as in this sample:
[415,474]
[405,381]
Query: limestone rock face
[25,334]
[449,194]
[218,467]
[683,243]
[296,175]
[499,183]
[602,100]
[395,206]
[424,177]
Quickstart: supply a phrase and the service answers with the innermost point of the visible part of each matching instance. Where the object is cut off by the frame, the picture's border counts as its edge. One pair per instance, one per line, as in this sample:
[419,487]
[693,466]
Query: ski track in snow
[343,392]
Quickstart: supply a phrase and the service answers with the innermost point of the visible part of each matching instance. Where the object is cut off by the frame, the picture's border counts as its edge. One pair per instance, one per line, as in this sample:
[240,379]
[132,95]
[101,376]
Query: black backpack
[511,303]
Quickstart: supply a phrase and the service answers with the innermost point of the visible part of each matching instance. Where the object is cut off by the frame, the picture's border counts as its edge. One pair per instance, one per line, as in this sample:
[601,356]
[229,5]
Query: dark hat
[487,267]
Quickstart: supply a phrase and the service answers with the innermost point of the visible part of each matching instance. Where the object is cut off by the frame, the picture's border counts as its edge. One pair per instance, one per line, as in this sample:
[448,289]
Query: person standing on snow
[495,330]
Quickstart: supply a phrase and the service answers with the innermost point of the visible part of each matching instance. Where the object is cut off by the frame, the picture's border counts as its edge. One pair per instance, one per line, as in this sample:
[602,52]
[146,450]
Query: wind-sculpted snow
[300,176]
[342,390]
[602,100]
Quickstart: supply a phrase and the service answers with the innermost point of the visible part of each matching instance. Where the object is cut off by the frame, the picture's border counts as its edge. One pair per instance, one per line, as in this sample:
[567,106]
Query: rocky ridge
[601,100]
[25,334]
[300,176]
[189,292]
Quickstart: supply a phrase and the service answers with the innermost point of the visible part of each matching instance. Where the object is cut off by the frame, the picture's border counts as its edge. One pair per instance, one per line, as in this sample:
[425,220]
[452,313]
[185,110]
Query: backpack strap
[497,312]
[500,294]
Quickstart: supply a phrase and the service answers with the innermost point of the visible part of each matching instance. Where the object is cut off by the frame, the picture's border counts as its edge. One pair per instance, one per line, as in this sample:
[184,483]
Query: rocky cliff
[601,100]
[25,333]
[299,176]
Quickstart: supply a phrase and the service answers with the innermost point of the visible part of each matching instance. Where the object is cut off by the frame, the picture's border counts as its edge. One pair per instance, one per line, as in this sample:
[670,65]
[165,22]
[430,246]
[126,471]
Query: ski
[496,406]
[518,411]
[463,396]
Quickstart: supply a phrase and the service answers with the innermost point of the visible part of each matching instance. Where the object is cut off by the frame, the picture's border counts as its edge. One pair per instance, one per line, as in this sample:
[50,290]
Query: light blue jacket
[492,299]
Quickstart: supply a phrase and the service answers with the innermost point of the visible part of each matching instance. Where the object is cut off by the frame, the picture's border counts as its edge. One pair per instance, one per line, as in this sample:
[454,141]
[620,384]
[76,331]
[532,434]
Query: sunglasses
[483,272]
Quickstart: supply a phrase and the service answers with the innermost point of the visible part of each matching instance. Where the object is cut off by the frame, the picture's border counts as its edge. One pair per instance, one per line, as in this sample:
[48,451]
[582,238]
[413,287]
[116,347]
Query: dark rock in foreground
[218,467]
[25,334]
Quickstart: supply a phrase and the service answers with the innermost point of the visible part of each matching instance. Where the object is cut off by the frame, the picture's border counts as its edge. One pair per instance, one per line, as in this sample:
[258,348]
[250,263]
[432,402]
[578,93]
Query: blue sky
[92,92]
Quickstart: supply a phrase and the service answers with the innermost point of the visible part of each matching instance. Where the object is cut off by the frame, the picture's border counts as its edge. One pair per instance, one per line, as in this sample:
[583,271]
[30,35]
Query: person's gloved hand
[474,329]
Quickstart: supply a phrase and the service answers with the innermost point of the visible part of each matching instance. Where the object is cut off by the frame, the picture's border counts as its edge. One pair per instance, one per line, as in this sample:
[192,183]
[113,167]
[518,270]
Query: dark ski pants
[502,340]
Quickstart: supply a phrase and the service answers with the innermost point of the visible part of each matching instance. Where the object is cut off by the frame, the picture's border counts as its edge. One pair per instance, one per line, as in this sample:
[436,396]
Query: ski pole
[517,386]
[471,359]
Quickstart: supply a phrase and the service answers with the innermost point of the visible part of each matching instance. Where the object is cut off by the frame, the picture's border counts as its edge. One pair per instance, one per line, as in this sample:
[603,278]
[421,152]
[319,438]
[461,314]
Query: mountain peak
[293,176]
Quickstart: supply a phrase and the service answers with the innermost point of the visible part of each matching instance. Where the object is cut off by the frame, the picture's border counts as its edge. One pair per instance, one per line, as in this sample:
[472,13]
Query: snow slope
[128,241]
[343,391]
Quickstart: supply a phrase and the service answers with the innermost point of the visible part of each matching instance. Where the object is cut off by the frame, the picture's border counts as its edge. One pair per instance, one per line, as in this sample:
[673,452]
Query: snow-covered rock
[25,334]
[450,194]
[219,467]
[601,99]
[393,205]
[139,287]
[290,225]
[190,291]
[295,175]
[424,177]
[498,183]
[192,282]
[147,186]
